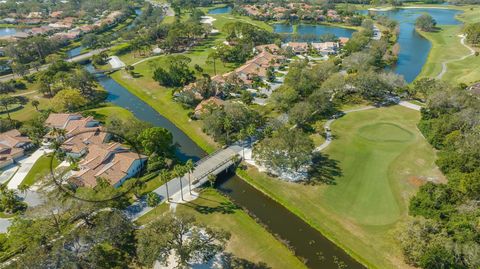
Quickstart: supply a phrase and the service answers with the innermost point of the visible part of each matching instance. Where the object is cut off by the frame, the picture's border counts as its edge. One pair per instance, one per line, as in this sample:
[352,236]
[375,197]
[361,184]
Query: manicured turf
[40,169]
[446,46]
[102,113]
[377,161]
[249,240]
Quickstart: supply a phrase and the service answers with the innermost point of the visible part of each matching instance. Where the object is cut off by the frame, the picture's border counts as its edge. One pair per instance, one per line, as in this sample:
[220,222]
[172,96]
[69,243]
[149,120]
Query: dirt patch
[420,162]
[416,181]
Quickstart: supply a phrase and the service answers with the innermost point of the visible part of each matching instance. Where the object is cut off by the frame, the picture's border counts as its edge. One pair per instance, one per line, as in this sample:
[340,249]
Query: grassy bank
[376,163]
[446,46]
[249,240]
[161,99]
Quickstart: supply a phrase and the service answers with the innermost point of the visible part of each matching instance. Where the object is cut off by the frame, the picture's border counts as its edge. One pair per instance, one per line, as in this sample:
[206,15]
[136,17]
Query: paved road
[410,105]
[214,164]
[78,58]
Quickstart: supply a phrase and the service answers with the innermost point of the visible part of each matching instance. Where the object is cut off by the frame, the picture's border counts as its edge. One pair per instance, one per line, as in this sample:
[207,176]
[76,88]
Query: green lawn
[378,160]
[446,46]
[102,113]
[27,111]
[249,240]
[40,169]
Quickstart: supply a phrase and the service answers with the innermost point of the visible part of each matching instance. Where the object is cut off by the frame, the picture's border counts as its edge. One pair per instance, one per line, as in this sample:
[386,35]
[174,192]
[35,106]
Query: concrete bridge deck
[214,163]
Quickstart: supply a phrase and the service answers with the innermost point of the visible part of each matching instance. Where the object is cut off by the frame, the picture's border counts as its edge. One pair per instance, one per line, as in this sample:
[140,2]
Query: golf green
[367,148]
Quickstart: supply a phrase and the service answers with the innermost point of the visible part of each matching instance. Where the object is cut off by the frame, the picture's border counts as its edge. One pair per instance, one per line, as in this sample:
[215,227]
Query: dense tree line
[445,231]
[472,31]
[230,122]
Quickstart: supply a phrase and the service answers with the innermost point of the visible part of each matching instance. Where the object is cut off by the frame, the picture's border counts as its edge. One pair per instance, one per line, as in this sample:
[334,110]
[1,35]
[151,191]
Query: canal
[308,243]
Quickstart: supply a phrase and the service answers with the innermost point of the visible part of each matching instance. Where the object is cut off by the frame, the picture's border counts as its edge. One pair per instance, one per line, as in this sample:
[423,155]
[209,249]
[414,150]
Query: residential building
[110,162]
[85,139]
[12,146]
[209,103]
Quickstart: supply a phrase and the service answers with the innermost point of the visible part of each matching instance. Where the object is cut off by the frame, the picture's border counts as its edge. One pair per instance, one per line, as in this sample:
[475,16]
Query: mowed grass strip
[446,46]
[40,169]
[381,157]
[248,240]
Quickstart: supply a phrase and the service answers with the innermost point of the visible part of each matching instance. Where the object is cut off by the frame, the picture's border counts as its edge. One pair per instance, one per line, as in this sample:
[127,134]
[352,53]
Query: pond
[414,48]
[7,31]
[306,31]
[220,10]
[307,242]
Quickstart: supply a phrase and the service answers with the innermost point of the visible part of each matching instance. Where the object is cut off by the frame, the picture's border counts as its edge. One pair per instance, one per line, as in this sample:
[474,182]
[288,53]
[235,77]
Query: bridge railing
[209,156]
[204,174]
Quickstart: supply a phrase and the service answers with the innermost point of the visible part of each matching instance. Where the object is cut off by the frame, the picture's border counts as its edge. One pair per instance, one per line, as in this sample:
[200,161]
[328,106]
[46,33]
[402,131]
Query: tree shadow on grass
[323,170]
[229,261]
[222,208]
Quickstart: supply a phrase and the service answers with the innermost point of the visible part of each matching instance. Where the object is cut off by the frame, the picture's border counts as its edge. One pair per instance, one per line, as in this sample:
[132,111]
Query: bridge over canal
[214,163]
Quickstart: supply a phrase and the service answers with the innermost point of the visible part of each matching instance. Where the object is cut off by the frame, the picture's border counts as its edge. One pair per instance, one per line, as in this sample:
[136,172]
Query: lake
[7,31]
[310,30]
[220,10]
[414,48]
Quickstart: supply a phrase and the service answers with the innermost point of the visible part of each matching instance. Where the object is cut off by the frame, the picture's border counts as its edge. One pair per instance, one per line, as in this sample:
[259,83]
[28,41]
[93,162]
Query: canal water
[7,31]
[414,48]
[120,96]
[307,242]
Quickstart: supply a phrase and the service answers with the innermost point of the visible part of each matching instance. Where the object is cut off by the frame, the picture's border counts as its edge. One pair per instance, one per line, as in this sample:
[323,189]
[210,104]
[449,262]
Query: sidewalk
[25,166]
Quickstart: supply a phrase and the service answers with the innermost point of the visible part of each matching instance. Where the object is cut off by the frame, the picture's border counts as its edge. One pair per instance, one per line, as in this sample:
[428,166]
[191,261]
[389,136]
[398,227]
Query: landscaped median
[376,162]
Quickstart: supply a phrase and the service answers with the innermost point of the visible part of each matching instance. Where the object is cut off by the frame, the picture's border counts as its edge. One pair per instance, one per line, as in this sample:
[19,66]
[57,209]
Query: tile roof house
[12,146]
[110,162]
[326,47]
[272,48]
[85,139]
[71,123]
[297,47]
[208,103]
[258,66]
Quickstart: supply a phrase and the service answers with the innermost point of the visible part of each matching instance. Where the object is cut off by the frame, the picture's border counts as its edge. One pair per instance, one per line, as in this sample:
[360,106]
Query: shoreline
[205,145]
[249,180]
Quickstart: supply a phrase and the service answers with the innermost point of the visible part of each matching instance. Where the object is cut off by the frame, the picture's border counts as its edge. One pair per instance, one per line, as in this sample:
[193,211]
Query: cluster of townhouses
[56,25]
[269,56]
[324,48]
[85,140]
[291,11]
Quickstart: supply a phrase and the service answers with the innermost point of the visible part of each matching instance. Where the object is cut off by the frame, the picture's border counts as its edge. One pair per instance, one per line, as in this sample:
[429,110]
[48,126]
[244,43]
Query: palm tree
[179,171]
[227,124]
[35,104]
[243,135]
[189,166]
[24,189]
[251,130]
[165,176]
